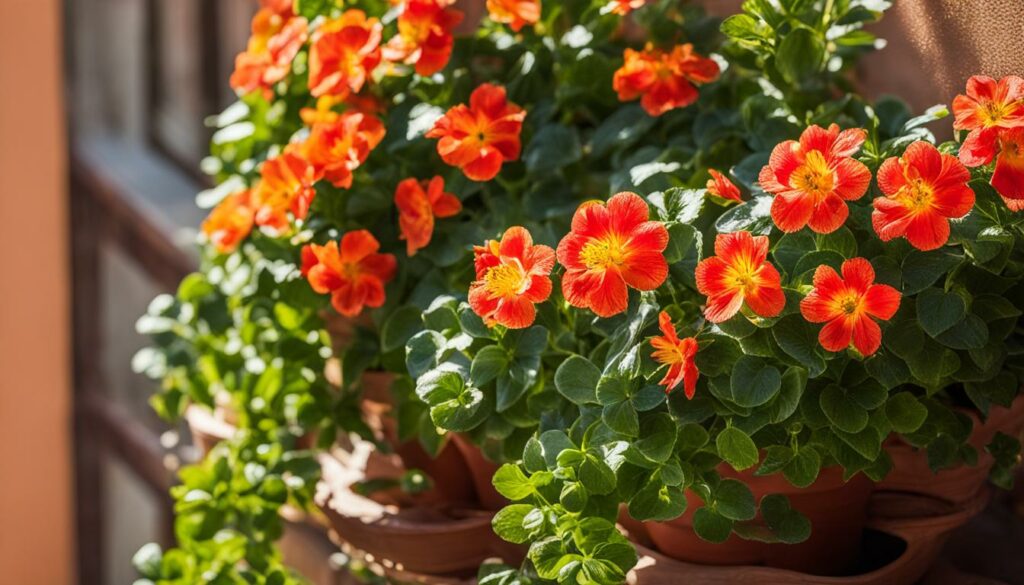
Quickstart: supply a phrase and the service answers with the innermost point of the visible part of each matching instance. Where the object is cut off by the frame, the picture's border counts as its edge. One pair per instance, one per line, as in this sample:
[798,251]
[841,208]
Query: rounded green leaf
[576,379]
[736,448]
[754,382]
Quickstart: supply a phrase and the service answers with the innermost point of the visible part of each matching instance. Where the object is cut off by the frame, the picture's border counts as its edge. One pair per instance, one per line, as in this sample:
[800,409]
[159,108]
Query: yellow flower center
[992,113]
[505,280]
[742,274]
[814,176]
[917,195]
[850,303]
[602,254]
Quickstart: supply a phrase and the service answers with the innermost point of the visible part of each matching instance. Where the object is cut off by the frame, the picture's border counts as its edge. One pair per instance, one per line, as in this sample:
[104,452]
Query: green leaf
[511,482]
[734,500]
[680,239]
[399,327]
[753,216]
[508,523]
[788,525]
[802,470]
[310,9]
[794,381]
[969,333]
[937,311]
[922,269]
[711,526]
[488,363]
[622,418]
[147,561]
[596,476]
[754,382]
[905,412]
[423,351]
[552,147]
[620,130]
[657,438]
[842,241]
[842,410]
[799,339]
[736,448]
[657,502]
[549,556]
[577,379]
[742,27]
[800,55]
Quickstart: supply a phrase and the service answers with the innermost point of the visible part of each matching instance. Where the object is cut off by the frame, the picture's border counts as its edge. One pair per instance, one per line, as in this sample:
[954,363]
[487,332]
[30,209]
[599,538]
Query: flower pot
[435,540]
[904,537]
[481,471]
[911,472]
[835,537]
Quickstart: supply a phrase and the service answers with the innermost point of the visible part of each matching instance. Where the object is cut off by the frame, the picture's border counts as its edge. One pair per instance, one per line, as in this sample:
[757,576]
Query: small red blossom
[354,274]
[663,81]
[720,186]
[343,53]
[277,37]
[480,137]
[515,13]
[923,190]
[678,355]
[611,247]
[337,148]
[230,222]
[286,185]
[1008,178]
[739,272]
[849,306]
[989,107]
[624,7]
[511,277]
[419,203]
[424,36]
[812,179]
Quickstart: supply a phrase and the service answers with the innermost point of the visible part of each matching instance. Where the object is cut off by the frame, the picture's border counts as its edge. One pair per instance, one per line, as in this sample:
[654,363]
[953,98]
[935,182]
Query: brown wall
[35,465]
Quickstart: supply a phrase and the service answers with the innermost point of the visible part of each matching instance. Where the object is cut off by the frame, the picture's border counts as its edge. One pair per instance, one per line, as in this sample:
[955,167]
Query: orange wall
[35,463]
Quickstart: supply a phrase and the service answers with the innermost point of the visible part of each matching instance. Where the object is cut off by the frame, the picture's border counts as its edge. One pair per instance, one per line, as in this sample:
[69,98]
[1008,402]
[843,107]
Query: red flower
[989,107]
[720,186]
[353,275]
[664,80]
[923,189]
[849,305]
[286,184]
[812,179]
[424,35]
[343,53]
[511,277]
[740,272]
[230,222]
[515,13]
[418,204]
[609,248]
[336,148]
[480,137]
[277,36]
[678,355]
[624,7]
[1008,178]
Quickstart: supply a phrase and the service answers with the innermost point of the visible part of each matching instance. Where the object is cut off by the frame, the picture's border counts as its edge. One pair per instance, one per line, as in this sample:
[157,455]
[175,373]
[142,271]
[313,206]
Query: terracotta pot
[443,539]
[482,471]
[836,509]
[911,472]
[900,545]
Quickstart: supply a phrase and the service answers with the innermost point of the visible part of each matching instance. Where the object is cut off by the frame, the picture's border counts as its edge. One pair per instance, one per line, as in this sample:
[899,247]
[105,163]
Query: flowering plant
[621,268]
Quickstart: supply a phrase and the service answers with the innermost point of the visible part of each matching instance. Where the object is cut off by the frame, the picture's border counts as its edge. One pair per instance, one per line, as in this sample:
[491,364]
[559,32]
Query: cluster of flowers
[477,137]
[612,246]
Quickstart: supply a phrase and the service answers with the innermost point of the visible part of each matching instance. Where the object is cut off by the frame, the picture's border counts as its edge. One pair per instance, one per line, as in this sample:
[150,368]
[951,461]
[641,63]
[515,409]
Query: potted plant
[689,278]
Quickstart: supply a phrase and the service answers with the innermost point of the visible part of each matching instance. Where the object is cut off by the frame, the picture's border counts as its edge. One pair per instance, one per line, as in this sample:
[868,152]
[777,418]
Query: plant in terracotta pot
[691,280]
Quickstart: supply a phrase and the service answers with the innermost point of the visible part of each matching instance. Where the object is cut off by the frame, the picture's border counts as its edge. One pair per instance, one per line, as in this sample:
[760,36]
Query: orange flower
[989,107]
[923,190]
[353,275]
[1008,178]
[740,272]
[286,184]
[418,204]
[812,179]
[678,355]
[277,36]
[624,7]
[511,277]
[325,108]
[424,35]
[664,80]
[612,247]
[337,148]
[480,137]
[720,186]
[515,13]
[849,305]
[230,222]
[343,53]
